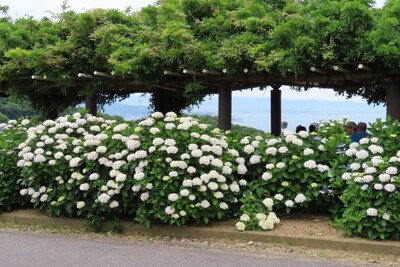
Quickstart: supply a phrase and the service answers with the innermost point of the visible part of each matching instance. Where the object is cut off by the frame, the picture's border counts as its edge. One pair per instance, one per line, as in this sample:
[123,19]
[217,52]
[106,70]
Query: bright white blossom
[372,212]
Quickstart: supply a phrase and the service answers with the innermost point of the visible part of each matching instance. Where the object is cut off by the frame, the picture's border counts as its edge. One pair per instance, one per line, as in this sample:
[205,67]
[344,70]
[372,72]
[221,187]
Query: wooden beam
[166,88]
[341,69]
[225,108]
[102,74]
[205,71]
[276,110]
[172,73]
[316,70]
[191,72]
[363,67]
[393,98]
[86,76]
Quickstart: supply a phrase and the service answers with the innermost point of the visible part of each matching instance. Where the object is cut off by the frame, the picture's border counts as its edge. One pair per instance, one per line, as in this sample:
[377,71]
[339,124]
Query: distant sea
[255,111]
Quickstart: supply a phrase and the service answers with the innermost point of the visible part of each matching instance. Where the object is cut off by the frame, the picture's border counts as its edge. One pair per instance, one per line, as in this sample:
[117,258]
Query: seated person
[351,129]
[362,130]
[313,127]
[300,128]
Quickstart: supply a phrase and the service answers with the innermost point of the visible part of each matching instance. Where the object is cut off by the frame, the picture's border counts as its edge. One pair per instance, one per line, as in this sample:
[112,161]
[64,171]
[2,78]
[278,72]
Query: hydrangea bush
[170,169]
[175,170]
[372,197]
[11,135]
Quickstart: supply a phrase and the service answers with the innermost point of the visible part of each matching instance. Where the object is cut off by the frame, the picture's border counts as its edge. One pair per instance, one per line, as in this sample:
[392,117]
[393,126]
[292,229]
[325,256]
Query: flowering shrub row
[177,171]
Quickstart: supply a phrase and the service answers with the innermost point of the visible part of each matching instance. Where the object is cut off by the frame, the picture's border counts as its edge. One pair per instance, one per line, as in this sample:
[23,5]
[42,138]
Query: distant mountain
[128,112]
[255,112]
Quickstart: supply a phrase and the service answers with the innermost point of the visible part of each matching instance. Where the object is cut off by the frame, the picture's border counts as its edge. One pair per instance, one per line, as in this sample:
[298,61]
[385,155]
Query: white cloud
[38,9]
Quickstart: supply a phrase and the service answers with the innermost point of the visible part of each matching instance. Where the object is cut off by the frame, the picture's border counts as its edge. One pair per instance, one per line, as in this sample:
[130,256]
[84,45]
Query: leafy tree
[273,36]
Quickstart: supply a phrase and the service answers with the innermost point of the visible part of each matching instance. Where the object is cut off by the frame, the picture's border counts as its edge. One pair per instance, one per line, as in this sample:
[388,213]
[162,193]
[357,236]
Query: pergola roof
[344,76]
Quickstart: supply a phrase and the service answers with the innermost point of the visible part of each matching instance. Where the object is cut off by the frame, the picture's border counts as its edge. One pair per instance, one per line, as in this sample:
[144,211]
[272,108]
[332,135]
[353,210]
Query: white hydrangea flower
[245,140]
[266,176]
[283,150]
[249,149]
[391,170]
[370,170]
[271,142]
[104,198]
[213,186]
[173,174]
[297,142]
[254,159]
[217,150]
[217,163]
[226,170]
[114,204]
[157,115]
[144,196]
[241,169]
[303,134]
[172,150]
[80,204]
[390,188]
[39,159]
[132,144]
[204,160]
[44,197]
[351,152]
[23,192]
[169,210]
[92,155]
[184,192]
[364,141]
[378,186]
[140,154]
[189,183]
[138,176]
[280,165]
[136,188]
[270,166]
[278,197]
[375,149]
[289,203]
[300,198]
[355,166]
[121,177]
[84,187]
[223,206]
[271,151]
[218,195]
[170,142]
[245,218]
[372,212]
[386,216]
[268,202]
[240,226]
[308,151]
[234,187]
[205,204]
[233,152]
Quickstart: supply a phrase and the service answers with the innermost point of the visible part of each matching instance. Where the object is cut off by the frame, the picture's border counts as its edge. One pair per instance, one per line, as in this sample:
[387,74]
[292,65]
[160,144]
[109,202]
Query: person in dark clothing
[300,128]
[362,130]
[351,129]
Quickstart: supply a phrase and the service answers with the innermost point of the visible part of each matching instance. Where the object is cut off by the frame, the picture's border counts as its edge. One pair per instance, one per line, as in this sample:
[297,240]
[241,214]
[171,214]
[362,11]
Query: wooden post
[276,110]
[91,104]
[225,108]
[393,98]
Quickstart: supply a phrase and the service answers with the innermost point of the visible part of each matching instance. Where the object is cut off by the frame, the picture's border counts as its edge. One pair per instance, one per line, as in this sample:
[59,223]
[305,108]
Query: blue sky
[20,8]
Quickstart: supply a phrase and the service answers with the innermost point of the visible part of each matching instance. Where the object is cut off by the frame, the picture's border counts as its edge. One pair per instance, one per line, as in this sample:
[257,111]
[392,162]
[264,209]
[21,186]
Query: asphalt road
[19,249]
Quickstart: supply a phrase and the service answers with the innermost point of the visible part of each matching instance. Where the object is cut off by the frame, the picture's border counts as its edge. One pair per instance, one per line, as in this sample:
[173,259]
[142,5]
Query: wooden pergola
[345,76]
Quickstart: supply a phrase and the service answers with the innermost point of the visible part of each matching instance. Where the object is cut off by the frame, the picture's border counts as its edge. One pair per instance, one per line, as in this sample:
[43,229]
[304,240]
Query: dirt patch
[299,225]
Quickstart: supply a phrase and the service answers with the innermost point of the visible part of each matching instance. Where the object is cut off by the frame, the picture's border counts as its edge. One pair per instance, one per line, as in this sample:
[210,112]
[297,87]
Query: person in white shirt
[284,128]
